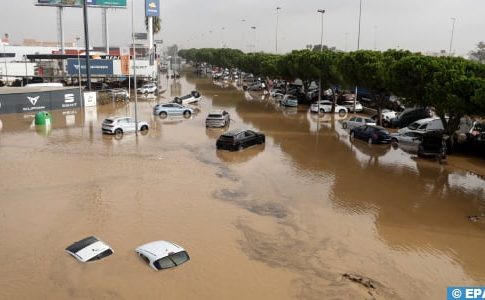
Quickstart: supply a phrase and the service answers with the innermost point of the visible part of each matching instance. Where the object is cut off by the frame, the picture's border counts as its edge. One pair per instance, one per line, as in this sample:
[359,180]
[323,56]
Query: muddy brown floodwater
[309,215]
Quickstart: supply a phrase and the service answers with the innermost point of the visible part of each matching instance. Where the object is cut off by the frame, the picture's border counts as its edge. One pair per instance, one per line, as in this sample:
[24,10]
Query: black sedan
[238,139]
[372,134]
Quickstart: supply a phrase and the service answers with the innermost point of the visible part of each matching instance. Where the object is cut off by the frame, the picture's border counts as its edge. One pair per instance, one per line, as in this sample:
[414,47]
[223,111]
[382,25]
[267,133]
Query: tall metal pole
[60,28]
[452,32]
[105,29]
[360,17]
[277,19]
[79,70]
[5,61]
[322,11]
[254,29]
[358,48]
[134,63]
[86,44]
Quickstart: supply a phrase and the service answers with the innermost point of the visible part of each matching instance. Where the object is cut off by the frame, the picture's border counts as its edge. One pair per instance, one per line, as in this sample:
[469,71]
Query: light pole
[134,64]
[452,32]
[254,29]
[277,19]
[321,11]
[79,68]
[358,48]
[5,61]
[243,21]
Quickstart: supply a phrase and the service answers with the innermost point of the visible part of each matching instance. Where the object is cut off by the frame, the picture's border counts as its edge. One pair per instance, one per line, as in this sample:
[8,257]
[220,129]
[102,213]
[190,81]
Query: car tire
[344,125]
[341,112]
[118,131]
[163,114]
[370,141]
[187,114]
[144,128]
[322,111]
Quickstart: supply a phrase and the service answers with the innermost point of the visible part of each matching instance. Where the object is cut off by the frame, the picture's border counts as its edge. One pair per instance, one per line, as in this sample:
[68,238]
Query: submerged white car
[147,88]
[326,106]
[162,254]
[89,249]
[120,125]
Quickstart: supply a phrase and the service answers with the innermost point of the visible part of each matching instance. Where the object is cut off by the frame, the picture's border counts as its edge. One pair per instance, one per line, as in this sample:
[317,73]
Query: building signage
[96,66]
[152,8]
[32,102]
[79,3]
[125,60]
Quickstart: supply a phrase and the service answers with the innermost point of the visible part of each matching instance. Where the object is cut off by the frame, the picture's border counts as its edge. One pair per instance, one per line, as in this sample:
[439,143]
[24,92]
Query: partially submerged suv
[217,118]
[238,139]
[162,254]
[89,249]
[120,125]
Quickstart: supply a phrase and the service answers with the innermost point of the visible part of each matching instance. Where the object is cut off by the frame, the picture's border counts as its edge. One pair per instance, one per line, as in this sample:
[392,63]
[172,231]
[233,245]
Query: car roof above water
[160,249]
[233,132]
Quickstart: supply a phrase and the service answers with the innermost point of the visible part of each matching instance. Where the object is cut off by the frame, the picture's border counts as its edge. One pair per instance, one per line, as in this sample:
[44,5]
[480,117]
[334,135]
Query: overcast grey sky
[417,25]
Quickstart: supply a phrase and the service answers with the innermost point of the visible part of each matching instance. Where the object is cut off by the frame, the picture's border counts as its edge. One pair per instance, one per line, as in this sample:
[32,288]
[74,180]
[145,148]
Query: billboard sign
[152,8]
[97,66]
[79,3]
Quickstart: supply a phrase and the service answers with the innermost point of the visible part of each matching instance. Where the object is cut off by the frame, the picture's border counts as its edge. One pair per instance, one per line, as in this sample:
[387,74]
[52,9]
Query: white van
[423,125]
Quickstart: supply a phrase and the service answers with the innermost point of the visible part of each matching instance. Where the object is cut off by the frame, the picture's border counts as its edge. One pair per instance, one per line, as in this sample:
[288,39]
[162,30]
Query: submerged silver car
[218,118]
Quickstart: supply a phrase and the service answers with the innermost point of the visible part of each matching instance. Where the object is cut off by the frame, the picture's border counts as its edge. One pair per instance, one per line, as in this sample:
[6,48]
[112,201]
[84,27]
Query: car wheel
[341,112]
[118,131]
[163,114]
[187,114]
[344,125]
[322,111]
[370,141]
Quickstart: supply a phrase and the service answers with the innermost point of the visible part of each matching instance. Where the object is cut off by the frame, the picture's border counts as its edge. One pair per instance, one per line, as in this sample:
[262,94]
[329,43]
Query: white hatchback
[326,106]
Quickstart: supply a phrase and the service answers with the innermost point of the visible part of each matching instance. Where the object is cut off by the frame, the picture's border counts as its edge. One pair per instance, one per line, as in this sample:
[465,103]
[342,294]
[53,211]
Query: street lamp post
[452,32]
[254,29]
[5,62]
[321,11]
[134,64]
[277,19]
[358,48]
[79,68]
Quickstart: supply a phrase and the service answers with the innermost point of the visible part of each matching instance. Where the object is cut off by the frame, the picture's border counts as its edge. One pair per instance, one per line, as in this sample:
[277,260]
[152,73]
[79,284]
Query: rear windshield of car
[227,137]
[214,116]
[180,257]
[108,121]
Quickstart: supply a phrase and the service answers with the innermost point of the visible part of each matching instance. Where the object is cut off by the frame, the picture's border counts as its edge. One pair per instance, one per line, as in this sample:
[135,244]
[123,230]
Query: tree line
[453,86]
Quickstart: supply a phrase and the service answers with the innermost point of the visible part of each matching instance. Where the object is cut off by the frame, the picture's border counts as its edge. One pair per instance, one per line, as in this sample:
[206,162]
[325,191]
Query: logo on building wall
[33,100]
[69,98]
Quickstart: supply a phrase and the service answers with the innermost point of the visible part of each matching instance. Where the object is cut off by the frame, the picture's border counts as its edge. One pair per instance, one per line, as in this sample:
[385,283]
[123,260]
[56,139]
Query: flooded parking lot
[309,215]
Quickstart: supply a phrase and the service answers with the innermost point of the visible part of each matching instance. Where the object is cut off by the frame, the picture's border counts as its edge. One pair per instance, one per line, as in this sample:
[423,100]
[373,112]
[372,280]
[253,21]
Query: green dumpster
[43,118]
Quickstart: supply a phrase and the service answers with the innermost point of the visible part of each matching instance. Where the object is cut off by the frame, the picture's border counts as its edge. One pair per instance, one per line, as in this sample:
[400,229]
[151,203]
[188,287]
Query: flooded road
[309,215]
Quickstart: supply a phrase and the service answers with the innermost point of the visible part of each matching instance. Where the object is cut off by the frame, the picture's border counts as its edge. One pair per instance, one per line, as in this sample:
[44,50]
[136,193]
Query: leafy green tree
[479,53]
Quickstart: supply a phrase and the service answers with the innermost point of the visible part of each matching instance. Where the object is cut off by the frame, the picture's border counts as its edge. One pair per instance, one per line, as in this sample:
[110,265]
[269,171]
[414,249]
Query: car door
[250,138]
[358,122]
[129,125]
[359,132]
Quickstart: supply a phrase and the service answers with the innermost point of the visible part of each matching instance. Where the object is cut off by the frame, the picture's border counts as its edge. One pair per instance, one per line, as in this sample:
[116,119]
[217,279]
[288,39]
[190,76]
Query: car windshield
[164,263]
[180,257]
[413,126]
[108,121]
[172,260]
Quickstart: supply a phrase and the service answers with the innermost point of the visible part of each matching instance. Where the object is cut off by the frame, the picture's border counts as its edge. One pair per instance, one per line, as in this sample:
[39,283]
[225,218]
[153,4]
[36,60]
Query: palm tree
[157,24]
